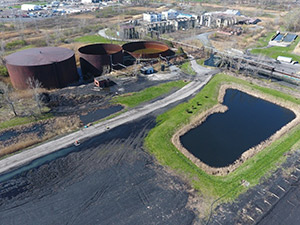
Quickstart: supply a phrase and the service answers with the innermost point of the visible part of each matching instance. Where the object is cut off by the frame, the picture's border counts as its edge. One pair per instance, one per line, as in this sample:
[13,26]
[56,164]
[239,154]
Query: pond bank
[219,108]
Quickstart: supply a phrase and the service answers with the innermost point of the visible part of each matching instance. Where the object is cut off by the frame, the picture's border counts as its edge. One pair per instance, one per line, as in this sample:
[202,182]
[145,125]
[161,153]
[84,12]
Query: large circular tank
[96,59]
[54,67]
[147,49]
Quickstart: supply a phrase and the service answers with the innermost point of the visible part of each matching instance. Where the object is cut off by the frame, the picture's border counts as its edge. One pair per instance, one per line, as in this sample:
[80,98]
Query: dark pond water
[99,114]
[223,137]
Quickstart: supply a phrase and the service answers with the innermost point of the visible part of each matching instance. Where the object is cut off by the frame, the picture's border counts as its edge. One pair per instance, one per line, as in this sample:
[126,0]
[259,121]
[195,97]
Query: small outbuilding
[147,70]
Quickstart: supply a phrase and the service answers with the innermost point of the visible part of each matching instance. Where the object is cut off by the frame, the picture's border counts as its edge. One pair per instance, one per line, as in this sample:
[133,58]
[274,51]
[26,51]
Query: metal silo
[95,59]
[54,67]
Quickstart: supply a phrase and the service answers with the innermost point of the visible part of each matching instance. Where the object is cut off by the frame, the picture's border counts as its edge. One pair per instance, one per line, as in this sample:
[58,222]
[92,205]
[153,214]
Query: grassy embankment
[158,142]
[136,98]
[275,51]
[187,68]
[95,39]
[24,120]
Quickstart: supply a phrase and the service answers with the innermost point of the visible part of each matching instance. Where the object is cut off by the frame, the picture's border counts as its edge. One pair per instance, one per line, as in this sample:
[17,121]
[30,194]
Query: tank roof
[39,56]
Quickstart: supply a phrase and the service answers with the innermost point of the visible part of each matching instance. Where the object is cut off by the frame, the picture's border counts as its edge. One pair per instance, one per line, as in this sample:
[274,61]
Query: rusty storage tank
[54,67]
[96,59]
[147,49]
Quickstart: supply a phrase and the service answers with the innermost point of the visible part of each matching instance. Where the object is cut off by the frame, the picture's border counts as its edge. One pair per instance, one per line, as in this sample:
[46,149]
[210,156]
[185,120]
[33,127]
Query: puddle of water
[223,137]
[38,129]
[99,114]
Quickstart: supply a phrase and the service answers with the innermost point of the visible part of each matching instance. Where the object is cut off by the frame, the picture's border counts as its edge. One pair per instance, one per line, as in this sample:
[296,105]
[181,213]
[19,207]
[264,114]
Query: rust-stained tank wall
[54,67]
[95,58]
[135,49]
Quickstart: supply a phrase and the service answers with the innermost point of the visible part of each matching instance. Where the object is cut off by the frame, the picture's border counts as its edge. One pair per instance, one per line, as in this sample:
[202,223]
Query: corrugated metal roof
[39,56]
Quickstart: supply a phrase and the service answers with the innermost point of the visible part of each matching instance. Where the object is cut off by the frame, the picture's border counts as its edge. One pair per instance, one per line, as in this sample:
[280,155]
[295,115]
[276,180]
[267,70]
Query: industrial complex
[55,67]
[125,112]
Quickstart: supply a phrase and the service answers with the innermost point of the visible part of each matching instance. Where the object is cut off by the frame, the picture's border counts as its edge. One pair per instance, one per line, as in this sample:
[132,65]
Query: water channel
[223,137]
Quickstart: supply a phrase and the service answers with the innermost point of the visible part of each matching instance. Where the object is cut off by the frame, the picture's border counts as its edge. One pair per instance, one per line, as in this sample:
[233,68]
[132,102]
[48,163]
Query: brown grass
[53,127]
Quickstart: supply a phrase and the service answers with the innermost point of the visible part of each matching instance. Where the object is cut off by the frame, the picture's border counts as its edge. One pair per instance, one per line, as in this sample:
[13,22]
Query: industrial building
[152,17]
[53,67]
[216,21]
[89,1]
[30,7]
[98,59]
[282,39]
[156,24]
[171,21]
[171,14]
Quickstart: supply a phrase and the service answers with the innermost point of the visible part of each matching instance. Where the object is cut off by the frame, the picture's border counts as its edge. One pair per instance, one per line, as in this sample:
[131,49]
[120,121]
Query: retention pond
[224,137]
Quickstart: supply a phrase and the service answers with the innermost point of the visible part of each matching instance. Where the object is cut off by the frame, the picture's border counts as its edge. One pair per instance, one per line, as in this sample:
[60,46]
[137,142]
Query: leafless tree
[105,69]
[35,86]
[238,64]
[2,52]
[5,93]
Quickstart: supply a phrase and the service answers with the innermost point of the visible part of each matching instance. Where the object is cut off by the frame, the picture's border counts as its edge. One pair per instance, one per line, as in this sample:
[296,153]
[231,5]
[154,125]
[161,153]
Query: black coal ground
[274,201]
[108,179]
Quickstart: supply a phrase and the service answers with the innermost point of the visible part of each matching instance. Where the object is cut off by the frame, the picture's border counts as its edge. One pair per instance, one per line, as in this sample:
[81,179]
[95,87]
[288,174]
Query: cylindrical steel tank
[54,67]
[96,59]
[147,49]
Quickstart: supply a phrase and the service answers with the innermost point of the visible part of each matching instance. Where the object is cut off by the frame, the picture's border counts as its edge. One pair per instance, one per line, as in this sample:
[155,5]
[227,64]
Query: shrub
[3,71]
[14,44]
[180,51]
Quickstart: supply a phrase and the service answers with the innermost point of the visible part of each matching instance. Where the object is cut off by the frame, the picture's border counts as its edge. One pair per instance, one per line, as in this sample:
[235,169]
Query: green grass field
[95,39]
[186,68]
[158,142]
[136,98]
[275,51]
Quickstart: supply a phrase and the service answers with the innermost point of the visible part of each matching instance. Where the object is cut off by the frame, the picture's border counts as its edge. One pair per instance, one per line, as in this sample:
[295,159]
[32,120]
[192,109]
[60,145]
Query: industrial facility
[53,67]
[170,21]
[97,59]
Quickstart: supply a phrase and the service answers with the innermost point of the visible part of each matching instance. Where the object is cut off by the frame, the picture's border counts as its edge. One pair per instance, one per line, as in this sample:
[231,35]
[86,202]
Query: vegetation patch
[159,143]
[24,120]
[187,68]
[95,39]
[136,98]
[3,71]
[39,132]
[15,44]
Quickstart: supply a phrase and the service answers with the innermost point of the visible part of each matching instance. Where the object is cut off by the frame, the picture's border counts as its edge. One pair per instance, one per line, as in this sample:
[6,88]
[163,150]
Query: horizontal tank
[53,67]
[96,59]
[147,49]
